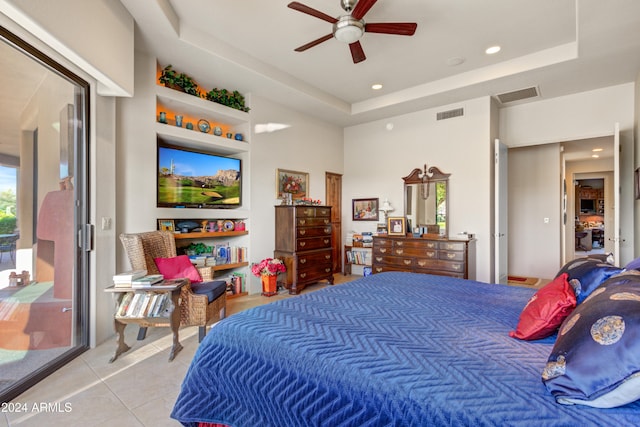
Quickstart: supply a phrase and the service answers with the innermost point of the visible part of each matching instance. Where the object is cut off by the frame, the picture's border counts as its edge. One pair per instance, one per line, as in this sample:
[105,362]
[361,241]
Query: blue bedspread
[392,349]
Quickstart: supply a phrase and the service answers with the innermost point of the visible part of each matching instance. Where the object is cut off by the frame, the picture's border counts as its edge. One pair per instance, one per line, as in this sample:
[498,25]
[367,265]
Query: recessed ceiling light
[456,60]
[595,156]
[595,150]
[376,86]
[493,49]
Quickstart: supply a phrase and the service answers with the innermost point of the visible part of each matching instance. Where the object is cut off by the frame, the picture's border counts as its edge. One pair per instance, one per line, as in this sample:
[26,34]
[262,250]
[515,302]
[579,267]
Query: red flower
[268,267]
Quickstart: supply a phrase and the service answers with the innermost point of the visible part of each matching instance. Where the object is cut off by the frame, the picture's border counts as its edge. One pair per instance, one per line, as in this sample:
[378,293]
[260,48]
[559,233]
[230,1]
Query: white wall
[578,116]
[308,145]
[376,159]
[97,36]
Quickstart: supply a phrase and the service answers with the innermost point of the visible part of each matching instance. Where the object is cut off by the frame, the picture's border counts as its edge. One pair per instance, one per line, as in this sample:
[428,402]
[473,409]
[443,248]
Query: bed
[398,349]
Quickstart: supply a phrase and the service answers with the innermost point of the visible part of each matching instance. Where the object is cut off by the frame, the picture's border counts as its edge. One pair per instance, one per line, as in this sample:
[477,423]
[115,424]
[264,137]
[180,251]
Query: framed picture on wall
[365,209]
[396,226]
[292,182]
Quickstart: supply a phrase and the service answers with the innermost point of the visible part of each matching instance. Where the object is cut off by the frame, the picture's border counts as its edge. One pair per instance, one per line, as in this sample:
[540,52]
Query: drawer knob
[326,221]
[431,245]
[327,269]
[378,269]
[308,212]
[431,254]
[326,241]
[303,275]
[303,221]
[303,260]
[303,243]
[327,257]
[399,251]
[379,258]
[456,267]
[383,250]
[422,263]
[451,256]
[303,232]
[399,243]
[327,230]
[407,261]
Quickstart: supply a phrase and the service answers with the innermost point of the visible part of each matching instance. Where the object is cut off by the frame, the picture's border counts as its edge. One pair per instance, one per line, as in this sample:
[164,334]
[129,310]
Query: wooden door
[333,196]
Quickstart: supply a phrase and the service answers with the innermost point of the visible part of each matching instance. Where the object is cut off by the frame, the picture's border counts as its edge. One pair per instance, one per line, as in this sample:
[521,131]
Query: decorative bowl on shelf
[204,125]
[239,137]
[217,131]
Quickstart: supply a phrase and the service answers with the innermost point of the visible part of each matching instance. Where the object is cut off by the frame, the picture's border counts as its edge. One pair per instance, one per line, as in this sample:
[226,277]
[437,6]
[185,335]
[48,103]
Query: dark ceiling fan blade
[356,52]
[313,43]
[398,28]
[362,7]
[311,11]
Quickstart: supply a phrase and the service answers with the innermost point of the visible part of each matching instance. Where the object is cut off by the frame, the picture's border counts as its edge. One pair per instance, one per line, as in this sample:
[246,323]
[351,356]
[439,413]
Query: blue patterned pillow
[596,358]
[586,274]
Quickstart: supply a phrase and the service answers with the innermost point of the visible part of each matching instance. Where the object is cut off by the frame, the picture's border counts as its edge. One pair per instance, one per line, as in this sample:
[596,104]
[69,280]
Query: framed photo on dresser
[396,226]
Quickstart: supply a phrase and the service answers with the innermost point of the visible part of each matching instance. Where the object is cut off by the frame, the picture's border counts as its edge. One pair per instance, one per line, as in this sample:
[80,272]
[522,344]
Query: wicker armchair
[195,309]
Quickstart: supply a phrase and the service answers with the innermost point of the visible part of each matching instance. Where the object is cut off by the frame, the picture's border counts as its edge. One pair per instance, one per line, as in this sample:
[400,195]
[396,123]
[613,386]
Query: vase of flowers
[268,270]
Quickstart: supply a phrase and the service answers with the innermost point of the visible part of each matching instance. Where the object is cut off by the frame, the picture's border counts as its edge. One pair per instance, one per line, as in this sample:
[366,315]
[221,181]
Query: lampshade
[386,207]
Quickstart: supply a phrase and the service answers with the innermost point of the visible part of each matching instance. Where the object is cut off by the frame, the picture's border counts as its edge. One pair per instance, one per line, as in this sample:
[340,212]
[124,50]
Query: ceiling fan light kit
[351,27]
[348,30]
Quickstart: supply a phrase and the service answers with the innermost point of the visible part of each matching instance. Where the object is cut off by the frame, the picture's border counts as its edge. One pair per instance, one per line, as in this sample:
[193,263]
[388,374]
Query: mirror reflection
[426,201]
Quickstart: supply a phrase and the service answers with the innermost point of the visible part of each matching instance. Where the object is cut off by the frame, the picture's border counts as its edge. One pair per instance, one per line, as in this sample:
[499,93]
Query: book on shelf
[128,276]
[132,305]
[124,304]
[147,280]
[167,283]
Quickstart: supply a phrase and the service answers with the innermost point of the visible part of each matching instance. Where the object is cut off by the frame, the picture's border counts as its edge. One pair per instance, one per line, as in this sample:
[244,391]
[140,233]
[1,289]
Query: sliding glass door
[43,199]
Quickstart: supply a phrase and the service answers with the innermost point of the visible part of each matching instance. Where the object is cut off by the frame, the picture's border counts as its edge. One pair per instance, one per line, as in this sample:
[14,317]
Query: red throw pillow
[546,310]
[177,268]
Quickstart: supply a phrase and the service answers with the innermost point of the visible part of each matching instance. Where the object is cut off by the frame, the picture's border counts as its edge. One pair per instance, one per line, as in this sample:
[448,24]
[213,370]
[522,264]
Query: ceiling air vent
[450,114]
[518,95]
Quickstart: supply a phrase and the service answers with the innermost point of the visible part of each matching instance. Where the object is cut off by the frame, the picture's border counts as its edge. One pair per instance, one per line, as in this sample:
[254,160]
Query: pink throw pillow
[546,310]
[177,268]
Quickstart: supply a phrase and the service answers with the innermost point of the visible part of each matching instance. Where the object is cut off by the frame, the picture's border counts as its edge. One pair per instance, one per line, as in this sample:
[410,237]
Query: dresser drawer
[405,262]
[414,252]
[437,266]
[311,243]
[314,274]
[451,256]
[307,260]
[310,211]
[452,246]
[311,222]
[313,231]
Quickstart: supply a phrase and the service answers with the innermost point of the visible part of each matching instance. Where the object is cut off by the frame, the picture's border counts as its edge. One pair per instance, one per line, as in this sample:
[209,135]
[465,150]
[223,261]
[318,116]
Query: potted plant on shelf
[179,81]
[224,97]
[268,270]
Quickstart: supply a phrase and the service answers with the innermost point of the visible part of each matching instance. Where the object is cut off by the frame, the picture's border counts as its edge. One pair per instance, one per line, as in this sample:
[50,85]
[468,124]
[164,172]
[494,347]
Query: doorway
[589,216]
[43,298]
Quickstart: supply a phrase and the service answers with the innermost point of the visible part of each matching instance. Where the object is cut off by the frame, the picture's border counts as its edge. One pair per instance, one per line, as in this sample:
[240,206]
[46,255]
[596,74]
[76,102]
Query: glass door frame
[82,229]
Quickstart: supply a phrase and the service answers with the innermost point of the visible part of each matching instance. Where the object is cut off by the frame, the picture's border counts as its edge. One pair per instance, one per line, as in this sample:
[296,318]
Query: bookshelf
[356,255]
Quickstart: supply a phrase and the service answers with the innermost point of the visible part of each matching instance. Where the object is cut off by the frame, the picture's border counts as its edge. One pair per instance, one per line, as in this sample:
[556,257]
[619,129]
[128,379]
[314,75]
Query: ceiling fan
[350,27]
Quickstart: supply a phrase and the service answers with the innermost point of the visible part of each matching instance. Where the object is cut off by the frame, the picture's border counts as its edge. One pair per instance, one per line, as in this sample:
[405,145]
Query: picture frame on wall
[396,226]
[166,225]
[365,209]
[293,182]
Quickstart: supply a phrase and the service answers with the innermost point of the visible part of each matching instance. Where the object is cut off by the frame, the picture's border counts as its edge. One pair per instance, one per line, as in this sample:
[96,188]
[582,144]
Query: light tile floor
[138,389]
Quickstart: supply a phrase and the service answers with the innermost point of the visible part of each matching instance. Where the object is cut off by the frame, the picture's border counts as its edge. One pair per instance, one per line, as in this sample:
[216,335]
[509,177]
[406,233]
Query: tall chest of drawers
[303,242]
[443,257]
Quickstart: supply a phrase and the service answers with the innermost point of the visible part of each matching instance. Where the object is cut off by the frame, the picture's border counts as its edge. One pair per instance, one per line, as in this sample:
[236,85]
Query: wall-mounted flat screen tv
[587,205]
[196,179]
